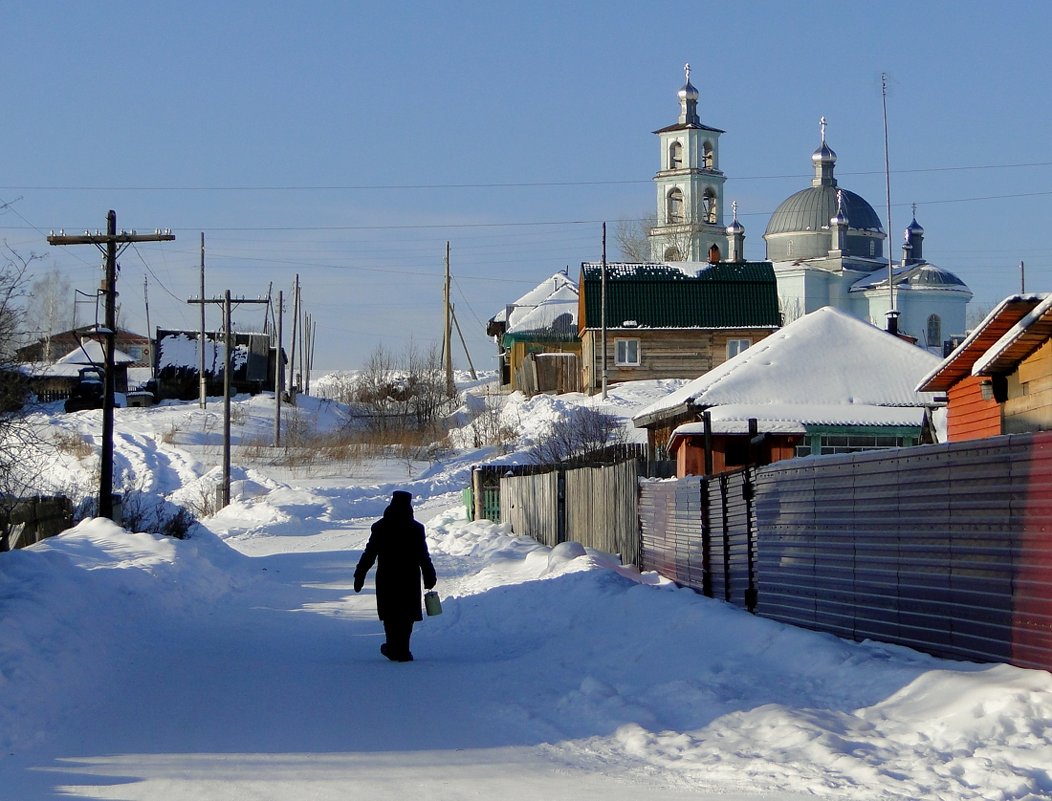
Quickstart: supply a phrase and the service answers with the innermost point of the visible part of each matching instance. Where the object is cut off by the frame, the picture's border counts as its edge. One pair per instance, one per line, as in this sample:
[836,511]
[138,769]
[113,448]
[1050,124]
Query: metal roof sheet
[694,295]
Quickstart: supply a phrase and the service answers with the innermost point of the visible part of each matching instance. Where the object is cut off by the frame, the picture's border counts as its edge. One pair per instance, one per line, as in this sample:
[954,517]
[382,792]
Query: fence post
[726,539]
[706,539]
[706,419]
[560,503]
[748,493]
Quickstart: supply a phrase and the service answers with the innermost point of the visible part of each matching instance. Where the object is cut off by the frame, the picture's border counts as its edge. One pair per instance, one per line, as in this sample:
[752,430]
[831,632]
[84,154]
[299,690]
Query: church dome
[811,210]
[932,277]
[800,227]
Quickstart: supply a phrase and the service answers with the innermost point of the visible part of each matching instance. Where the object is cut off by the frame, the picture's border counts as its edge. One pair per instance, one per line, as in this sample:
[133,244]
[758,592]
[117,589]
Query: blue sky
[347,142]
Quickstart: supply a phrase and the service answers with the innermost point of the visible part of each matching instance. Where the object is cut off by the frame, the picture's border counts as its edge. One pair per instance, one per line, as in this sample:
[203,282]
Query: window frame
[621,348]
[746,340]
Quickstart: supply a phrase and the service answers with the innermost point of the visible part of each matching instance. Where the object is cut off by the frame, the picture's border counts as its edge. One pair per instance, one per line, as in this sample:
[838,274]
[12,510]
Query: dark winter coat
[398,547]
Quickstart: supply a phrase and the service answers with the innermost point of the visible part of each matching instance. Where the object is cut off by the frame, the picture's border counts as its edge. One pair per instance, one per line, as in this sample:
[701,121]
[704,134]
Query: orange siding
[971,417]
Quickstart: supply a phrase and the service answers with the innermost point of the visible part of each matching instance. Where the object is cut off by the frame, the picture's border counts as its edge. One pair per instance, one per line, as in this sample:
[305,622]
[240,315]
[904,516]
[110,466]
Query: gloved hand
[359,582]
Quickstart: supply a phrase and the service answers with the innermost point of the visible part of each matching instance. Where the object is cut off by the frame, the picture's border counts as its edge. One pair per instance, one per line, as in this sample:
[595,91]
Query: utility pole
[602,310]
[228,369]
[1022,278]
[279,383]
[146,301]
[202,382]
[292,344]
[107,243]
[471,366]
[447,347]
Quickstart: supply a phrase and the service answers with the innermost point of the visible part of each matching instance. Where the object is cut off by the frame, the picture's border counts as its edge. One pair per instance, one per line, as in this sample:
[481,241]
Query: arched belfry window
[672,254]
[675,155]
[708,160]
[710,210]
[934,330]
[674,206]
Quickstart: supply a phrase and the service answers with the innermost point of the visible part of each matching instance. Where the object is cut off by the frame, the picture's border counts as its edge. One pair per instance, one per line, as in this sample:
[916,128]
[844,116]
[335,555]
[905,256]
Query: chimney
[893,322]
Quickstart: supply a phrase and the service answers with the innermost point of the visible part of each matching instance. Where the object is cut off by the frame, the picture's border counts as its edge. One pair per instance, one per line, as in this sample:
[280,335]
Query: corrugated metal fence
[944,548]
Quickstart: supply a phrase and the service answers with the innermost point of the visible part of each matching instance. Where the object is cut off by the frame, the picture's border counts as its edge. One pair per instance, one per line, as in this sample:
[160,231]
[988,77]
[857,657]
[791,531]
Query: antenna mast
[893,314]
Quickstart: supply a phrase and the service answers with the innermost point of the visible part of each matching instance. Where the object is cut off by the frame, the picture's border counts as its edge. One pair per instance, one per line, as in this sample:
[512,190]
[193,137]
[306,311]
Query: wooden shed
[999,379]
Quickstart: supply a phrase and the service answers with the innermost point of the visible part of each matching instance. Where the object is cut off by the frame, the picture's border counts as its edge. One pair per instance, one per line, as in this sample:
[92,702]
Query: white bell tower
[689,186]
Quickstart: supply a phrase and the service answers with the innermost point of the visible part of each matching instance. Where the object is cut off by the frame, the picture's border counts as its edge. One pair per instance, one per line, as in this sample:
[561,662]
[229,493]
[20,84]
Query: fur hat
[401,498]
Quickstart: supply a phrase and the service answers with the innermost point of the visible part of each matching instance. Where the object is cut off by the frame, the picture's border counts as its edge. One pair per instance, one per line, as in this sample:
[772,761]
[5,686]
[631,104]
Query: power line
[484,184]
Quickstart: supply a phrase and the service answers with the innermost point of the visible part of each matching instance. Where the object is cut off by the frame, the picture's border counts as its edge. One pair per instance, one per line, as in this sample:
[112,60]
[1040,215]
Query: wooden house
[512,319]
[999,379]
[826,383]
[58,381]
[542,347]
[671,320]
[48,349]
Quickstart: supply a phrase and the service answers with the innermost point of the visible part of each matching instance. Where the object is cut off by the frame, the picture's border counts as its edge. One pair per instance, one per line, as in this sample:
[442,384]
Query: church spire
[824,160]
[688,101]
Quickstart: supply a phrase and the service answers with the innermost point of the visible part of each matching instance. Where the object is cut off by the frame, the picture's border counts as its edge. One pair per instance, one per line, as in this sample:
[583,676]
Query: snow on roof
[179,349]
[534,297]
[960,361]
[825,358]
[1012,336]
[90,352]
[793,418]
[921,275]
[557,313]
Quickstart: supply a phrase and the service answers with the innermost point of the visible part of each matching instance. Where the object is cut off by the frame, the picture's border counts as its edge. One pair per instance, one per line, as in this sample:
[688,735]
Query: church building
[827,246]
[826,243]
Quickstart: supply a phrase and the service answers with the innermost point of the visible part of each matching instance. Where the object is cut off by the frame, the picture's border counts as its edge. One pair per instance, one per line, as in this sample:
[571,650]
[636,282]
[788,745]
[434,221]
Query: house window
[849,443]
[626,352]
[934,330]
[674,206]
[736,346]
[675,156]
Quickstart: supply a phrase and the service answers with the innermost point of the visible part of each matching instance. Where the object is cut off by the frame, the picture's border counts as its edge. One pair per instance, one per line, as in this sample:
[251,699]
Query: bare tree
[16,436]
[635,241]
[409,393]
[633,238]
[49,308]
[577,434]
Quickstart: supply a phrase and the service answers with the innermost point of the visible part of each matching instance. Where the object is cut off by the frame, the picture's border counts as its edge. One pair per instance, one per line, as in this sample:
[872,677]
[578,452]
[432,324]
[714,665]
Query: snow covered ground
[239,663]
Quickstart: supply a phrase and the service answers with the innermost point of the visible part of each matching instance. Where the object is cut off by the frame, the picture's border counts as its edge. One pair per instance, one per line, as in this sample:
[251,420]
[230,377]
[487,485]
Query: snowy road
[240,665]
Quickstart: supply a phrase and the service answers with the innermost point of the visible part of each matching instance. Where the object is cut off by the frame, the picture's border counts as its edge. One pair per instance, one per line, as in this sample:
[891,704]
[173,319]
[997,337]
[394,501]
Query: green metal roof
[722,295]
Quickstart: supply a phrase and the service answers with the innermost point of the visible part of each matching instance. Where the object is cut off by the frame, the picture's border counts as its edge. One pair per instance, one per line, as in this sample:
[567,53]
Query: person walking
[398,546]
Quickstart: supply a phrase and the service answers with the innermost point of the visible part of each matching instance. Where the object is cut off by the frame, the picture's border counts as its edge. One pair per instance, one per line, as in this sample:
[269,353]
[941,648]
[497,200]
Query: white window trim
[618,362]
[748,344]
